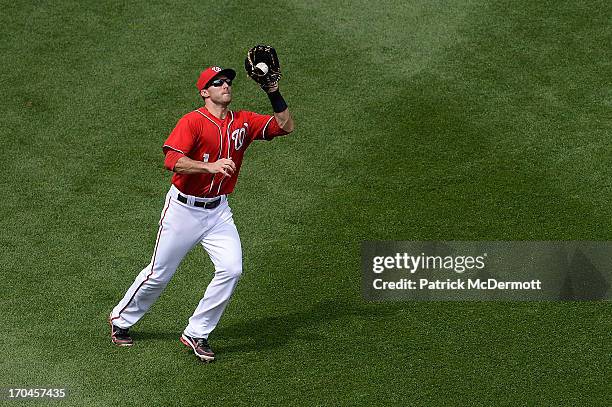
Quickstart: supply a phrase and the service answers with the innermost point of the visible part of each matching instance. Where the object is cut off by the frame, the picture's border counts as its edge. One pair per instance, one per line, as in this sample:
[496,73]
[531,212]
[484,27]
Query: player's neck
[219,111]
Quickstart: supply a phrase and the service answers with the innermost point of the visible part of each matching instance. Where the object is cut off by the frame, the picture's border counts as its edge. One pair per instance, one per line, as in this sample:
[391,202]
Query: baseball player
[205,152]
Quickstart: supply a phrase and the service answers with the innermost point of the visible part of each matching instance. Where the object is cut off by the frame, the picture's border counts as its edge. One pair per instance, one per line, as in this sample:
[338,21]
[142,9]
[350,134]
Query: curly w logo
[238,136]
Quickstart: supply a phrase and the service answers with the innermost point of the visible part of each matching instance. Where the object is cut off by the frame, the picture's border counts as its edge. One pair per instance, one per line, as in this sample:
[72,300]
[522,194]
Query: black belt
[201,204]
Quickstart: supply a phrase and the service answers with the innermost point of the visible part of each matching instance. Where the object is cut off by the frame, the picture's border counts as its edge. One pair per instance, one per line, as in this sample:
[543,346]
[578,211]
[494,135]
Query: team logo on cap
[216,69]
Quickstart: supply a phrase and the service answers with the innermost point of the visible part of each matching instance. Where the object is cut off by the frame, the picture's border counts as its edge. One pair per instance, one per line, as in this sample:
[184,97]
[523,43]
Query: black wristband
[278,103]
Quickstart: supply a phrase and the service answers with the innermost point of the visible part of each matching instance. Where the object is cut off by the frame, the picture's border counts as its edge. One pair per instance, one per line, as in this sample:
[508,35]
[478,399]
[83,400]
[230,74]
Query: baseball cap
[210,72]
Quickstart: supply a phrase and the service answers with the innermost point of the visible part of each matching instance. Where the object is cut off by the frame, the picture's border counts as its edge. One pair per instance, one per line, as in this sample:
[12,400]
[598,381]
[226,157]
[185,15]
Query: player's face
[219,90]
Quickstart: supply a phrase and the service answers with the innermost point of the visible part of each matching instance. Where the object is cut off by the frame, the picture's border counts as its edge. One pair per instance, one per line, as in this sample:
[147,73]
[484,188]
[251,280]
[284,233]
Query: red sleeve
[263,127]
[171,158]
[181,139]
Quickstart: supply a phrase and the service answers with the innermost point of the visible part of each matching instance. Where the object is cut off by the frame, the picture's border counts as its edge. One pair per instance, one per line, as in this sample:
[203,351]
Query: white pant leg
[222,243]
[180,229]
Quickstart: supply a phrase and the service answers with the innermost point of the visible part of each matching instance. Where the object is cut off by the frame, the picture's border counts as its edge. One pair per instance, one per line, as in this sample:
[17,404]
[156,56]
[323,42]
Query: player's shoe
[120,336]
[200,347]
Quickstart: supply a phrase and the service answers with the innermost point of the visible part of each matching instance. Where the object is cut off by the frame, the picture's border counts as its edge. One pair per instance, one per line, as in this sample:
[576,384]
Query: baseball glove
[267,55]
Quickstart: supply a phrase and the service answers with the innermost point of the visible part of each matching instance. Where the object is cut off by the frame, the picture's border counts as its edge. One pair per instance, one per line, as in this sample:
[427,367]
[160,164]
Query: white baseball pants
[182,226]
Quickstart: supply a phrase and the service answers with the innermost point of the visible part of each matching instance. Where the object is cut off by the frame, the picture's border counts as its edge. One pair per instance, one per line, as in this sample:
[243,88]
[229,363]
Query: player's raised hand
[261,64]
[224,166]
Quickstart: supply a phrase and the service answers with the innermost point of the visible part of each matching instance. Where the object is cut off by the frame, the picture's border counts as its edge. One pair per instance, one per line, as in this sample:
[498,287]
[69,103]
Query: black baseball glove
[267,55]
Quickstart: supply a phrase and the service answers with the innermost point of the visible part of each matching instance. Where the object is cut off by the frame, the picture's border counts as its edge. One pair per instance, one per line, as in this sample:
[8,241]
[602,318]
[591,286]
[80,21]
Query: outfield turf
[416,120]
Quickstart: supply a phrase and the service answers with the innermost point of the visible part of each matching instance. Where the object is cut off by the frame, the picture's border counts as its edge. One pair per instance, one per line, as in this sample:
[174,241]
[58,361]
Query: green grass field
[416,120]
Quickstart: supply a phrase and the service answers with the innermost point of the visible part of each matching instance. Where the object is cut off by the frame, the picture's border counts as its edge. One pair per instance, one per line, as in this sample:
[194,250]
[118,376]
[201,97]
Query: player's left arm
[283,118]
[262,65]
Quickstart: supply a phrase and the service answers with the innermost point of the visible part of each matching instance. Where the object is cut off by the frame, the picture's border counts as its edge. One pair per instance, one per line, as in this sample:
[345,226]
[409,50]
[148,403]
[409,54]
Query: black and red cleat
[120,336]
[200,347]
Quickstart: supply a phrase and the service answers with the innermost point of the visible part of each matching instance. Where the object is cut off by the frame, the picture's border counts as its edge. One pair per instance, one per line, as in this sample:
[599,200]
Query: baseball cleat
[200,347]
[120,336]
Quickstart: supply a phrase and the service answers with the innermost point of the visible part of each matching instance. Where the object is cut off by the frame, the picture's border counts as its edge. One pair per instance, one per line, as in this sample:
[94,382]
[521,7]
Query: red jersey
[203,137]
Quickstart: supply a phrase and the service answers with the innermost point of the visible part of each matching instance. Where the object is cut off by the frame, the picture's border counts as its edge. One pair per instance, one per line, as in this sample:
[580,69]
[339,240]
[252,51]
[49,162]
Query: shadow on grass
[276,331]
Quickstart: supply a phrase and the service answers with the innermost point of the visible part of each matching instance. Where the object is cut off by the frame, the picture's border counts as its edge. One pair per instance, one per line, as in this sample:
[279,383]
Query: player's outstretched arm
[262,65]
[283,117]
[284,120]
[186,165]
